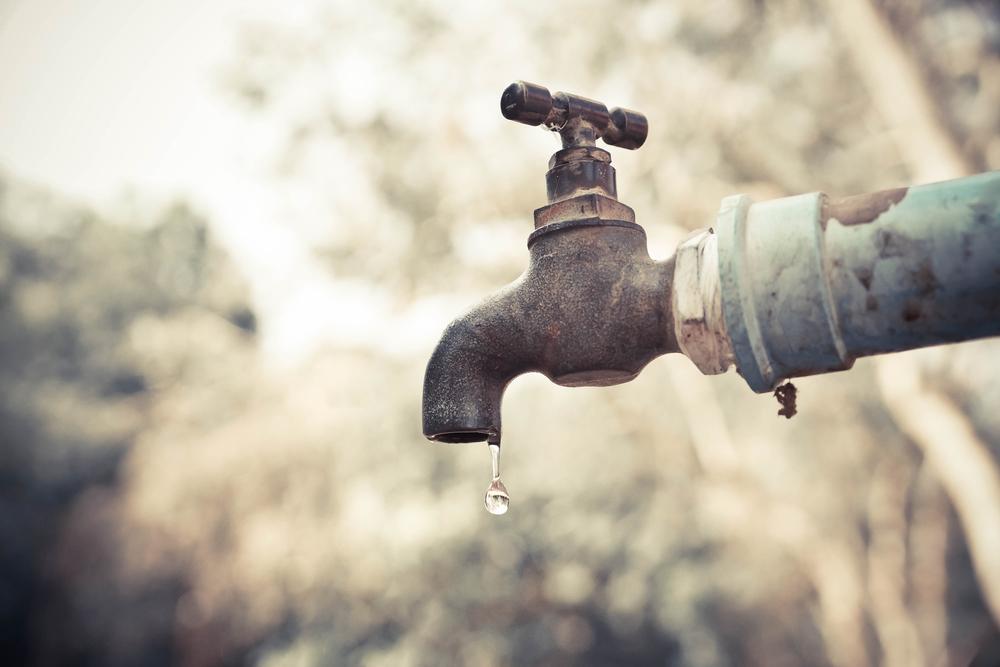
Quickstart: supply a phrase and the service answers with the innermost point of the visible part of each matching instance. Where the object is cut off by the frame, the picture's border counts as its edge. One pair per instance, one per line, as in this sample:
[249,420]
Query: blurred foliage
[75,292]
[172,499]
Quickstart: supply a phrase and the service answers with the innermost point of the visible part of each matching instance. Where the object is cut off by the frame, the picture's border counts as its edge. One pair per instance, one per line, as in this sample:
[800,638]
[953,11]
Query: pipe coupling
[697,304]
[777,304]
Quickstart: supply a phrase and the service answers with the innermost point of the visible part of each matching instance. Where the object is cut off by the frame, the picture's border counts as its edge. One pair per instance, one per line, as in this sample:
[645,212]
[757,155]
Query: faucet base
[601,378]
[589,205]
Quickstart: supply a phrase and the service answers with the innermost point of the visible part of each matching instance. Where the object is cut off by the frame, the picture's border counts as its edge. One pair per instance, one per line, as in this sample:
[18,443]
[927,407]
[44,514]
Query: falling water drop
[497,498]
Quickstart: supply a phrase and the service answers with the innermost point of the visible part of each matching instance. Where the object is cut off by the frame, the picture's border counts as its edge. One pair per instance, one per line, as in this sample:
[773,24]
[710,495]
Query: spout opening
[461,437]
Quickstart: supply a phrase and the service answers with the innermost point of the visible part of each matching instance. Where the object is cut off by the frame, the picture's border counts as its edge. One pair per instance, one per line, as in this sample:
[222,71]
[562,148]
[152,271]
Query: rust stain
[924,278]
[786,395]
[911,310]
[860,209]
[864,276]
[982,212]
[891,244]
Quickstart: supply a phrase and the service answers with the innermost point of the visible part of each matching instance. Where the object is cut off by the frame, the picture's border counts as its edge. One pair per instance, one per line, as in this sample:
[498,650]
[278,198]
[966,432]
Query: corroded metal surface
[580,169]
[860,209]
[697,304]
[582,207]
[809,284]
[592,308]
[925,271]
[580,121]
[779,313]
[784,288]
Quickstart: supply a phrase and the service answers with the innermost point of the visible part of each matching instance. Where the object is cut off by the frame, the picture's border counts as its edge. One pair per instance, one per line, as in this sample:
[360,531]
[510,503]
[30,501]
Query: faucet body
[591,309]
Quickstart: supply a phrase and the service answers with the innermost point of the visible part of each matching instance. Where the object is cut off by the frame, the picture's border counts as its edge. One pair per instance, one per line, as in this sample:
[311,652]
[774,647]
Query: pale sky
[99,97]
[99,94]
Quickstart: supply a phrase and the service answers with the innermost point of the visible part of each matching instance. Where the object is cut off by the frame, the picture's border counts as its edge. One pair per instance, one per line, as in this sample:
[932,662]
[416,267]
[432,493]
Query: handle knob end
[628,129]
[526,103]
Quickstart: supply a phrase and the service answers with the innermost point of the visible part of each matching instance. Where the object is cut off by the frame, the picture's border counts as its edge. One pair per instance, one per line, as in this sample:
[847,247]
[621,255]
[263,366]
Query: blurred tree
[73,394]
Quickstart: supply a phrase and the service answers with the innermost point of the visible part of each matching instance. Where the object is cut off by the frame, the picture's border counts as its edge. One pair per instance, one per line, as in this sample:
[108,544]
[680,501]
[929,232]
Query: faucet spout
[592,309]
[469,370]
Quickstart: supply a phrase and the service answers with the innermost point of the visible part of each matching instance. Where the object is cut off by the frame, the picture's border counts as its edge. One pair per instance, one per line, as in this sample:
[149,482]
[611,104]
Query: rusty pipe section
[807,284]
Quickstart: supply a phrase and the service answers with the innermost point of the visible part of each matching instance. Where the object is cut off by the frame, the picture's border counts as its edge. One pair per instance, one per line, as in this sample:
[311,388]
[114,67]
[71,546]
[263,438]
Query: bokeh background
[231,233]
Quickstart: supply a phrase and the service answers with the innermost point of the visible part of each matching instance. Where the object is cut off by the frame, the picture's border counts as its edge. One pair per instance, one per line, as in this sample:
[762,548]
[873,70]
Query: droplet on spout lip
[497,498]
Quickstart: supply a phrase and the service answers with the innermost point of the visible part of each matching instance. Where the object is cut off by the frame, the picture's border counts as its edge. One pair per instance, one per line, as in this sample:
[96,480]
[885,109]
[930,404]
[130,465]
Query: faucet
[591,309]
[779,289]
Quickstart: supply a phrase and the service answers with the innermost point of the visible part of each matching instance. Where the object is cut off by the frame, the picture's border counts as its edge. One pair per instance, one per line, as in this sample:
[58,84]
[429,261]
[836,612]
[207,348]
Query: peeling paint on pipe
[808,284]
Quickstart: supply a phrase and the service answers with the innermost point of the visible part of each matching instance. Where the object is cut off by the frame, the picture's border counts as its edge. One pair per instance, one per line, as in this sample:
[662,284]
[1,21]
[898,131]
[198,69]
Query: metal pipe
[808,284]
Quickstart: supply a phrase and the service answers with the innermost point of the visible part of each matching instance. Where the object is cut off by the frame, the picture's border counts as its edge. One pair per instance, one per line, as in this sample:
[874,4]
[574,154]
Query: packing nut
[697,304]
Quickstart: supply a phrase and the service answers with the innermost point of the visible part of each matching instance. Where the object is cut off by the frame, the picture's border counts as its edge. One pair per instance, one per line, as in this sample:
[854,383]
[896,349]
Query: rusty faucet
[591,309]
[779,289]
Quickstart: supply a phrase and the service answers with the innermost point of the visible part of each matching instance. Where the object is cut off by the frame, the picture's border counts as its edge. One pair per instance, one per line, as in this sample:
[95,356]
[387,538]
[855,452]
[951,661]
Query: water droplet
[497,499]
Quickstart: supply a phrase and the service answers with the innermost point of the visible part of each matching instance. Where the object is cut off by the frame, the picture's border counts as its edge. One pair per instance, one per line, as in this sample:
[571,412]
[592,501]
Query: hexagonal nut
[582,207]
[697,304]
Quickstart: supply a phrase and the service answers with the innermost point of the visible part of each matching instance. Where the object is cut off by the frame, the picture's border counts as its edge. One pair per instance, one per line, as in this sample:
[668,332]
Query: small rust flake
[860,209]
[911,310]
[864,276]
[786,395]
[924,278]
